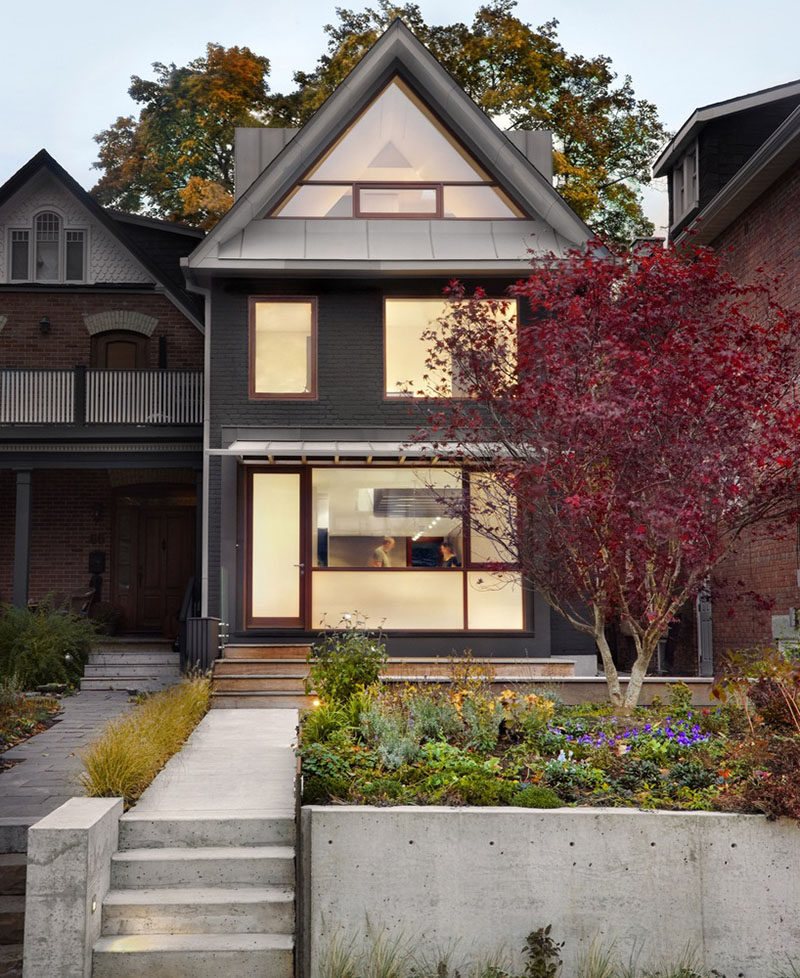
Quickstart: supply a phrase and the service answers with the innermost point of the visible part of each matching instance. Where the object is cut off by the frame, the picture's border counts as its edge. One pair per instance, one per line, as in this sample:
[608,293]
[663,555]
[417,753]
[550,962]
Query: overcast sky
[66,67]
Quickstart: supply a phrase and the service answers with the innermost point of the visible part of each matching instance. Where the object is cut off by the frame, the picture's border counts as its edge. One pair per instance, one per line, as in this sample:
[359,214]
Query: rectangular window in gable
[75,261]
[283,347]
[20,243]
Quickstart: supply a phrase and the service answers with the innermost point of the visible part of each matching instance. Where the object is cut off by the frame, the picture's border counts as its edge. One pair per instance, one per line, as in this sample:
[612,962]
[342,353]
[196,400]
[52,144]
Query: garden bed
[462,744]
[22,715]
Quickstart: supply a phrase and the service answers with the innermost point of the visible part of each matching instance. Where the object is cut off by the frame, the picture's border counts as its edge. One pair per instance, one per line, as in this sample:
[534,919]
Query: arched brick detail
[120,319]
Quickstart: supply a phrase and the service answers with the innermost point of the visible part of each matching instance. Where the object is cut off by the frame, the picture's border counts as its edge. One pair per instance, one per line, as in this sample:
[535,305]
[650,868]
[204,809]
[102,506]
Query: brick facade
[765,236]
[68,343]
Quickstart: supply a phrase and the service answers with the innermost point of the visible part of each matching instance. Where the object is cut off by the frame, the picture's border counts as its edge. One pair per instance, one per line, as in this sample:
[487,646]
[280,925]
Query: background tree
[519,75]
[175,160]
[648,416]
[524,79]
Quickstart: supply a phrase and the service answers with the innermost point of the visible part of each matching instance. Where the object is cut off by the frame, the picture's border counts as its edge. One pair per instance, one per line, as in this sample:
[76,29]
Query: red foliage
[639,417]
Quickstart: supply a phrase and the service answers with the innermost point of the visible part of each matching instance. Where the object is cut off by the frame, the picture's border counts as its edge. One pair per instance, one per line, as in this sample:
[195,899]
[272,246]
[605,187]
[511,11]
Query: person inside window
[380,555]
[448,556]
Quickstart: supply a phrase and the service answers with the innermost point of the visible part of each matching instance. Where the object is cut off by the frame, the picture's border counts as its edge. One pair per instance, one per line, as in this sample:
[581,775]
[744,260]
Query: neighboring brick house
[734,184]
[318,283]
[101,387]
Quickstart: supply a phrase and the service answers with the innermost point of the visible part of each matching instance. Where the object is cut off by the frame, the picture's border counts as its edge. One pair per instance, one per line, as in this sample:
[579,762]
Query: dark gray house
[318,284]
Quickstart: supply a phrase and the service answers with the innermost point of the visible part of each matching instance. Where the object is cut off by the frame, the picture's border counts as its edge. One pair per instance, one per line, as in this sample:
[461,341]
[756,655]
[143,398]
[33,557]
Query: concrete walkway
[49,767]
[240,761]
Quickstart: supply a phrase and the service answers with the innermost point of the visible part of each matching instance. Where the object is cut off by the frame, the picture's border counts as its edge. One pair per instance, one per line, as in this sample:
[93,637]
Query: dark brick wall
[350,355]
[68,344]
[7,511]
[766,236]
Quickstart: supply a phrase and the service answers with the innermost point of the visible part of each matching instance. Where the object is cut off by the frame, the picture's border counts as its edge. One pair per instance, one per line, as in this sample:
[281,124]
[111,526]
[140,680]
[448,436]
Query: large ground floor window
[392,543]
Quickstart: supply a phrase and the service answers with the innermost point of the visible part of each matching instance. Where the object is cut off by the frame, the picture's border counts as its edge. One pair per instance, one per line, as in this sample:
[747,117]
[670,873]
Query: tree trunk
[610,670]
[638,672]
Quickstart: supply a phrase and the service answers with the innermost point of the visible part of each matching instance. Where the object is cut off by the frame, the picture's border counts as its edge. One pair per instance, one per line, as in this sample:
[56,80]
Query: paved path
[240,761]
[49,763]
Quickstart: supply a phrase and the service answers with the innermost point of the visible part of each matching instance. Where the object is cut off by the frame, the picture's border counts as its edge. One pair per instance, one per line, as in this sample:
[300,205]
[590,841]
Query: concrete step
[13,870]
[277,700]
[135,658]
[12,919]
[133,645]
[194,956]
[252,684]
[261,667]
[141,684]
[175,829]
[208,866]
[195,910]
[266,651]
[132,669]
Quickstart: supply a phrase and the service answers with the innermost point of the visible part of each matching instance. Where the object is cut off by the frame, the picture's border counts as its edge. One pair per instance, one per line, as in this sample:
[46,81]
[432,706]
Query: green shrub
[484,788]
[43,646]
[433,717]
[345,661]
[536,796]
[388,732]
[132,750]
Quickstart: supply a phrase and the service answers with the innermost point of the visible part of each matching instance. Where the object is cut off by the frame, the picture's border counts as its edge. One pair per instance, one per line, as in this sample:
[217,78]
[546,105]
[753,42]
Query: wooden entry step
[273,676]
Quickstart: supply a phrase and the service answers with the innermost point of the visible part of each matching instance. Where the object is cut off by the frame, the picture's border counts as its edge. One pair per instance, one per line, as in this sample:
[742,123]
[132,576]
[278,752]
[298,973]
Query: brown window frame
[412,398]
[435,214]
[254,395]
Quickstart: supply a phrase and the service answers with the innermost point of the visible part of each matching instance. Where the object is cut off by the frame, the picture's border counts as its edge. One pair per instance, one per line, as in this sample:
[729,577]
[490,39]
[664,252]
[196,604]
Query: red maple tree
[640,415]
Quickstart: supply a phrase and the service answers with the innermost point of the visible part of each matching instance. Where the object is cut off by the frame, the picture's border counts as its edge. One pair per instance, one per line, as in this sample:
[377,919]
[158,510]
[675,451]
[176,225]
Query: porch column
[22,540]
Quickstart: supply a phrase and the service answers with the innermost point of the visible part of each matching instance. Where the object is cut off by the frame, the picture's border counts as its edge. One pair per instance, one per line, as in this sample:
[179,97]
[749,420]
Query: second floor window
[283,347]
[47,252]
[408,325]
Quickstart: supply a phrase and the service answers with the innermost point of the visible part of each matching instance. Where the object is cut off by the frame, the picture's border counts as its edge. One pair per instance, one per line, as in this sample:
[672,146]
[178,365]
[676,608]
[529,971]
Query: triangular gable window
[397,160]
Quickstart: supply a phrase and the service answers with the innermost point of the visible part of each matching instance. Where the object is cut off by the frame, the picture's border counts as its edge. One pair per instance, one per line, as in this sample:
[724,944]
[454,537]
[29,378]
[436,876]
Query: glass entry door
[276,565]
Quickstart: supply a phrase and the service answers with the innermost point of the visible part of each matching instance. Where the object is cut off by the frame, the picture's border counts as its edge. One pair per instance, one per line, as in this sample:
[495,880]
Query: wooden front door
[154,558]
[165,564]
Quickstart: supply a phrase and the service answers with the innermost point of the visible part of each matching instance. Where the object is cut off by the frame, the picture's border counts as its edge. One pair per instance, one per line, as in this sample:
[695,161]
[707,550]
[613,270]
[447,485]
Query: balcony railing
[88,396]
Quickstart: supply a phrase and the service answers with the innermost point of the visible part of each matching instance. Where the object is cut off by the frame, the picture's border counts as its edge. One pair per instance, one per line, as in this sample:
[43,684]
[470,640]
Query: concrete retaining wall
[726,885]
[69,868]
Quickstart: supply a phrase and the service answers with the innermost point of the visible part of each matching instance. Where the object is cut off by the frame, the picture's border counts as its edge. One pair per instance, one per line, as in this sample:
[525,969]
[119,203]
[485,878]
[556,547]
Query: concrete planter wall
[727,885]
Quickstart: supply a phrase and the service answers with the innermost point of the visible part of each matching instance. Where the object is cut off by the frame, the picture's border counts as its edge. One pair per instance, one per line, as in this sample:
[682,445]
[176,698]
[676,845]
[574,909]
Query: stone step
[262,667]
[142,685]
[208,866]
[13,870]
[12,919]
[133,645]
[265,651]
[135,658]
[277,700]
[130,669]
[194,956]
[232,684]
[195,910]
[174,829]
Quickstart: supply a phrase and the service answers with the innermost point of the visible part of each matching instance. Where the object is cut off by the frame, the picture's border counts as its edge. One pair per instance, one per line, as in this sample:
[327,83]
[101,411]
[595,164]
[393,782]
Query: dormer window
[397,160]
[685,187]
[48,252]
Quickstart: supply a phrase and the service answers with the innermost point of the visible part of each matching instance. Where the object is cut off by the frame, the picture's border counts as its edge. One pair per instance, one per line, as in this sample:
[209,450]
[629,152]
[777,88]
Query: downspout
[206,294]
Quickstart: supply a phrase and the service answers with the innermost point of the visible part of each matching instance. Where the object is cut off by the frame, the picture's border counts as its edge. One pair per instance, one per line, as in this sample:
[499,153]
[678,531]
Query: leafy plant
[536,796]
[44,646]
[543,959]
[345,661]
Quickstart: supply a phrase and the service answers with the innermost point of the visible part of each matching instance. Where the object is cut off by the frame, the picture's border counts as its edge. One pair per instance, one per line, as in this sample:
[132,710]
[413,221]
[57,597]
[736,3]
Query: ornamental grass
[131,751]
